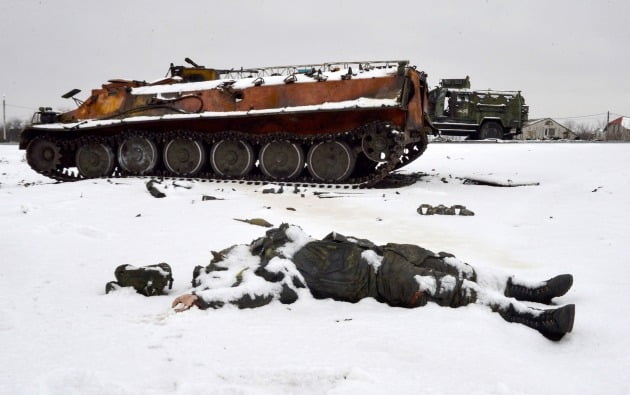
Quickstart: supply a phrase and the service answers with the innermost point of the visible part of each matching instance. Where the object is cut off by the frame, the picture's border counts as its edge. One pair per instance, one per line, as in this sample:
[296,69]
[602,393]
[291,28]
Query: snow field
[60,244]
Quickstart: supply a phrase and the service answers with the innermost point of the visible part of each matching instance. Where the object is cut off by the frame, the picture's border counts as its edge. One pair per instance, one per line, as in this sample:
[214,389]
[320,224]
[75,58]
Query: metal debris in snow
[255,221]
[495,183]
[208,197]
[156,193]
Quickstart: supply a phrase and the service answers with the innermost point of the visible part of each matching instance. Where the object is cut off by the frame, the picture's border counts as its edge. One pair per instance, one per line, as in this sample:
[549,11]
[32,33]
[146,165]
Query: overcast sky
[569,57]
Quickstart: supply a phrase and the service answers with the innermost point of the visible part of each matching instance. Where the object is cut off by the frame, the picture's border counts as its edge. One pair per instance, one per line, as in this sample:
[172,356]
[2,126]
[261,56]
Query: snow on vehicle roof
[269,80]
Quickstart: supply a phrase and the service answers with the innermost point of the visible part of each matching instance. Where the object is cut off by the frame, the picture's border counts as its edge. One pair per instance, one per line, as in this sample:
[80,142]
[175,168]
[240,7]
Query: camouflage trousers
[409,277]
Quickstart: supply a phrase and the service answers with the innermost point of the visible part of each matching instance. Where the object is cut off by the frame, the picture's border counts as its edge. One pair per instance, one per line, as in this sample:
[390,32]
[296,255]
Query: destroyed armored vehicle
[347,122]
[456,110]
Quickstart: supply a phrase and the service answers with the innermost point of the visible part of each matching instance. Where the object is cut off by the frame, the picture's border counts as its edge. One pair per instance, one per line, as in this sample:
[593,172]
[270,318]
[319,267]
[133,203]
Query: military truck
[456,110]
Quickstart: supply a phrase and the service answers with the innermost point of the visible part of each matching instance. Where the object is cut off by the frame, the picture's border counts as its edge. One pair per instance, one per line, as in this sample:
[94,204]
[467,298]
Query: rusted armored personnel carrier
[349,122]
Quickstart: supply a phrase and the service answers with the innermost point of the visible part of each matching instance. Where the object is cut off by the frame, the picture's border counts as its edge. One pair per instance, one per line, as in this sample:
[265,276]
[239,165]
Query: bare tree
[582,130]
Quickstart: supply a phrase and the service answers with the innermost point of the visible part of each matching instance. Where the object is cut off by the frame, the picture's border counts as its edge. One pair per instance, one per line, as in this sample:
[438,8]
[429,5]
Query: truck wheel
[491,130]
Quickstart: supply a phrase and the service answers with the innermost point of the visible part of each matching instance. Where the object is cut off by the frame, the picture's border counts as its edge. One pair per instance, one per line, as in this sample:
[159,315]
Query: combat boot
[553,324]
[556,286]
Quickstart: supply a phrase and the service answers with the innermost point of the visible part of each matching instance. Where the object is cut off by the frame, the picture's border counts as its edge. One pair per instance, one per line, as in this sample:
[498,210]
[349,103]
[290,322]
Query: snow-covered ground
[60,244]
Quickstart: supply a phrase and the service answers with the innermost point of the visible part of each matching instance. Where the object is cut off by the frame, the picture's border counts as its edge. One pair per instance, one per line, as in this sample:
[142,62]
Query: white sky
[570,58]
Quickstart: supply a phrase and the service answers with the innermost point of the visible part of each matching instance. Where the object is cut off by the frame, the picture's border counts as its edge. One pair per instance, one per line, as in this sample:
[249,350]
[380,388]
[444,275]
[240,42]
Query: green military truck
[456,110]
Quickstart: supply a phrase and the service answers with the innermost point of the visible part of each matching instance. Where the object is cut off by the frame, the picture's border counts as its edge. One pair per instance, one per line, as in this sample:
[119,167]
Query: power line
[22,107]
[580,116]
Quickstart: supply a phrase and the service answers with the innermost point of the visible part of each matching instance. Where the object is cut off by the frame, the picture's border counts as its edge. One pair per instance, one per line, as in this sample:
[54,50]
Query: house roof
[535,121]
[623,121]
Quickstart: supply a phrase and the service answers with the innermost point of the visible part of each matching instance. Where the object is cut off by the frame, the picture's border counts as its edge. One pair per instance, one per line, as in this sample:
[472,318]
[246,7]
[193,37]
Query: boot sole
[560,285]
[564,317]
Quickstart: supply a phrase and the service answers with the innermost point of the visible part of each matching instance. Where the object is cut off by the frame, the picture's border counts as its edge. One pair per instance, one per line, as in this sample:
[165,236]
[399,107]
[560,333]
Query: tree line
[14,127]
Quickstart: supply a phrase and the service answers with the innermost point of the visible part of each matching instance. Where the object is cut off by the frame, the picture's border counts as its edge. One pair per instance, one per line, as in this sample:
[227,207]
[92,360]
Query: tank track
[400,155]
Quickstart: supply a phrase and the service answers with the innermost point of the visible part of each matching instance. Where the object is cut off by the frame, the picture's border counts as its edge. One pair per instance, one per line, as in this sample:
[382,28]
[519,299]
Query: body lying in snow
[285,261]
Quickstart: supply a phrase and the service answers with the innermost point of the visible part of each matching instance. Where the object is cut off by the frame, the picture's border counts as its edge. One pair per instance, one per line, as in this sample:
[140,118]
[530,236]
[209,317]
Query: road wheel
[491,130]
[137,155]
[231,158]
[95,160]
[331,161]
[281,160]
[184,156]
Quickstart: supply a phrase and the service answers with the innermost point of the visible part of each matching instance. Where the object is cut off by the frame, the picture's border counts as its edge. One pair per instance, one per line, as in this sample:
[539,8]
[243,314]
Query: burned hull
[324,125]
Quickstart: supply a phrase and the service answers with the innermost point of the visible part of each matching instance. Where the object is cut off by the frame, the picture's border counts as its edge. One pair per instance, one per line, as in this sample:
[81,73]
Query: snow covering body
[277,266]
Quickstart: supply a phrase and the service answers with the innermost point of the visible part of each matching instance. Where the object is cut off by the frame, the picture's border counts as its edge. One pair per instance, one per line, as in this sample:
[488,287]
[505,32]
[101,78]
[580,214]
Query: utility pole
[4,119]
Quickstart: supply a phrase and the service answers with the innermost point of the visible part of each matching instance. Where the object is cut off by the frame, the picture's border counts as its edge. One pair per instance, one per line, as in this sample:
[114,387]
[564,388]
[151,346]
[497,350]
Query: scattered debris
[338,194]
[116,183]
[330,197]
[176,185]
[156,193]
[273,190]
[255,221]
[493,183]
[458,209]
[208,197]
[29,184]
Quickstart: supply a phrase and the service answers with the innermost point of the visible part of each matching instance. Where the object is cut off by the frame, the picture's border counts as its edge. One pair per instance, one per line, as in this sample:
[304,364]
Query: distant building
[546,129]
[618,129]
